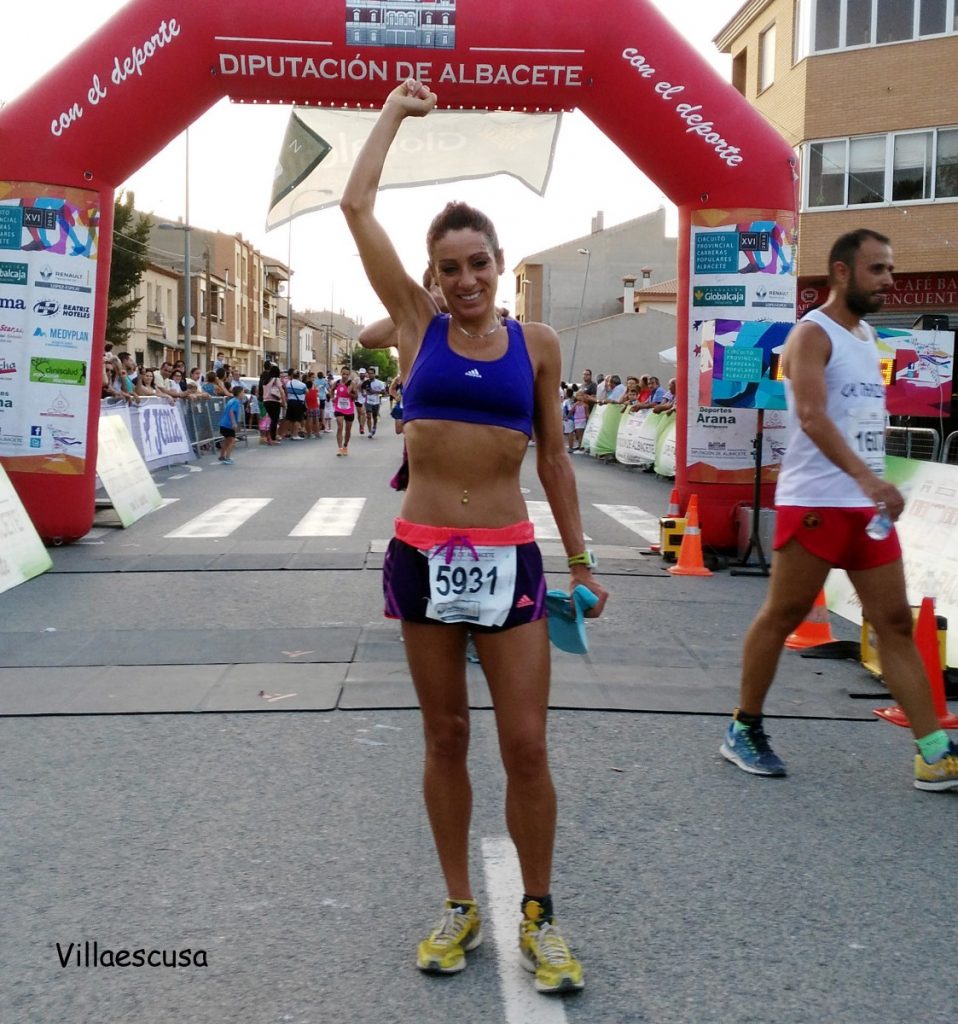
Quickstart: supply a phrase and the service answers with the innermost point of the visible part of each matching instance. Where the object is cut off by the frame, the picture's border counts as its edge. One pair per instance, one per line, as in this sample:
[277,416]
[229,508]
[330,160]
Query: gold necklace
[492,330]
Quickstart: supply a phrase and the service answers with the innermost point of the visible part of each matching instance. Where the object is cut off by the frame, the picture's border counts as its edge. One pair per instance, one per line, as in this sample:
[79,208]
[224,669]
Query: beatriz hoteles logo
[416,24]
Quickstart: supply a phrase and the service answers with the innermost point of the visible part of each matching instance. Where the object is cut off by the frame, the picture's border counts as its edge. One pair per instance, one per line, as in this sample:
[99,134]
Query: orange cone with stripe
[926,640]
[673,504]
[815,630]
[690,561]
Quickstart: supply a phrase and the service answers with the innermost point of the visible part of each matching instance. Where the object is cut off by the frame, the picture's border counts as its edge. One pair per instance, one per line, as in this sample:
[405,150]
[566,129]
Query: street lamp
[289,267]
[187,279]
[578,322]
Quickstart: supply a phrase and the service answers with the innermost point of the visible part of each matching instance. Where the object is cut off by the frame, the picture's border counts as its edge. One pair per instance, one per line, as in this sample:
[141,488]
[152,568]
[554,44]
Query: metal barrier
[203,424]
[949,452]
[912,443]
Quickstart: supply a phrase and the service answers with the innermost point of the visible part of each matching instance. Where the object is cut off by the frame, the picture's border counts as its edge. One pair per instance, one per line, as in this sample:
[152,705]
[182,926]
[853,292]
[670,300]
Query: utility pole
[209,311]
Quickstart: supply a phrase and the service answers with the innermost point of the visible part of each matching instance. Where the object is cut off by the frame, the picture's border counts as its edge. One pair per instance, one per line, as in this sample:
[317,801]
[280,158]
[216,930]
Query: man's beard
[861,302]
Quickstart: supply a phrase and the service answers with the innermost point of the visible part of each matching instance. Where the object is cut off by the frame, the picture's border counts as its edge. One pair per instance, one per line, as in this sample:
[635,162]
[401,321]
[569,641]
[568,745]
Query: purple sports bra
[444,385]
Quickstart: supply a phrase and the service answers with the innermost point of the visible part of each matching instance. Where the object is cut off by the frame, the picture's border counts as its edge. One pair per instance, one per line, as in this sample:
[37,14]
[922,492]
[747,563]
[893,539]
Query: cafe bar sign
[920,292]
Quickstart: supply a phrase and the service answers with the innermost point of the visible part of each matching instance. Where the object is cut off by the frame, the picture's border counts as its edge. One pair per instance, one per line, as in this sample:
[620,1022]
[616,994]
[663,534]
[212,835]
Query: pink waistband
[425,537]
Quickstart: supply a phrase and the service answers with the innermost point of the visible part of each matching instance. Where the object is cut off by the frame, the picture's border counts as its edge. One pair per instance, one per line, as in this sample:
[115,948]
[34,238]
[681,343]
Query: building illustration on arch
[416,24]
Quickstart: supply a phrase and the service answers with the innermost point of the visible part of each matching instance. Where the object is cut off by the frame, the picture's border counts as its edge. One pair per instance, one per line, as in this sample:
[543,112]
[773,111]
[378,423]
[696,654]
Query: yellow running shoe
[544,951]
[457,932]
[941,775]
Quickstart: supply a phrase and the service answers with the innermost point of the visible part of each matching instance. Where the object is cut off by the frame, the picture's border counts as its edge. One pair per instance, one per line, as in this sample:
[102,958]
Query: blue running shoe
[747,747]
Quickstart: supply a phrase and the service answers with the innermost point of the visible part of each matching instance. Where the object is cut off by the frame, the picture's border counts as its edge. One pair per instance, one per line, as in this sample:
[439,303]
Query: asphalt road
[292,849]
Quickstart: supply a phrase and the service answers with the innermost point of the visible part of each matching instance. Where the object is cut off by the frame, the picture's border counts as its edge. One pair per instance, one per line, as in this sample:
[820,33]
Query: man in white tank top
[828,490]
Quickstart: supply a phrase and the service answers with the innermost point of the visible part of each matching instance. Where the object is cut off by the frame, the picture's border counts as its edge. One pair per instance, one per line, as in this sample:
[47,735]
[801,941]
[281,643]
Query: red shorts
[836,535]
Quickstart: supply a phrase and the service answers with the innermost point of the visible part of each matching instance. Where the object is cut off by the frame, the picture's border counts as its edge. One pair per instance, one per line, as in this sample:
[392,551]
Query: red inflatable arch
[72,139]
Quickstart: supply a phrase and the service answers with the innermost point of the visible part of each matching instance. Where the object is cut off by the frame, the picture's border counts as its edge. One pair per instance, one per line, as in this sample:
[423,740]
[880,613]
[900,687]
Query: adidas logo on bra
[473,373]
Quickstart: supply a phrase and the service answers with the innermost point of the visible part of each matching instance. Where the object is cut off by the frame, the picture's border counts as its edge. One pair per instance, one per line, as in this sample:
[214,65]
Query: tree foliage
[131,232]
[382,358]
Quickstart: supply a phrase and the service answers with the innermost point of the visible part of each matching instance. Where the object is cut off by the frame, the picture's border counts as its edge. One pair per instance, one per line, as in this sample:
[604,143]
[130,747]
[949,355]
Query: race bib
[476,585]
[343,403]
[866,431]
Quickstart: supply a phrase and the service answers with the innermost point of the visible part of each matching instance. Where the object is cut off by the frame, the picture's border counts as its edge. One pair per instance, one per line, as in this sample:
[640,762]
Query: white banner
[123,472]
[929,542]
[635,442]
[592,427]
[448,145]
[22,554]
[163,431]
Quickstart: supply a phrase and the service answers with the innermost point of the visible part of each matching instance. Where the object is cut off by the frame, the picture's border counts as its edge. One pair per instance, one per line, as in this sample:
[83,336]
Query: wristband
[585,558]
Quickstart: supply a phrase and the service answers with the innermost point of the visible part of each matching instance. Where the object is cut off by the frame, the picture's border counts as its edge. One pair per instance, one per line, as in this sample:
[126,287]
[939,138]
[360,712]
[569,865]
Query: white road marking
[330,517]
[635,519]
[165,502]
[523,1005]
[544,522]
[222,519]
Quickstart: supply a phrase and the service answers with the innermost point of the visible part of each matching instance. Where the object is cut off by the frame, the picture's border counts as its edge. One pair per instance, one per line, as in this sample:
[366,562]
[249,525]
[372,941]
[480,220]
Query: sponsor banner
[22,553]
[592,427]
[162,431]
[123,473]
[635,443]
[665,444]
[929,541]
[742,272]
[48,266]
[920,369]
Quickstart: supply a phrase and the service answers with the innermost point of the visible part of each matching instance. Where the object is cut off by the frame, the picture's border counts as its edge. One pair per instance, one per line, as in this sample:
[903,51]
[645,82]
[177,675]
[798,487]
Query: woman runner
[476,389]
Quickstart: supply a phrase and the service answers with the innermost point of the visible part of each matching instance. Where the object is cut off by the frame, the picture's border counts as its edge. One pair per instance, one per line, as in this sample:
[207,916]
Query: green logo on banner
[13,273]
[719,295]
[44,370]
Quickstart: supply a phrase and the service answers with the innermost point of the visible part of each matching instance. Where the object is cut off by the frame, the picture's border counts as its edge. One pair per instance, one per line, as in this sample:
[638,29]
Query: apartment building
[586,289]
[153,331]
[234,297]
[862,89]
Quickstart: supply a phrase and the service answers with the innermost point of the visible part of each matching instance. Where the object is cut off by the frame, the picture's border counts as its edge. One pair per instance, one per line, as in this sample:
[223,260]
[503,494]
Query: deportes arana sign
[159,64]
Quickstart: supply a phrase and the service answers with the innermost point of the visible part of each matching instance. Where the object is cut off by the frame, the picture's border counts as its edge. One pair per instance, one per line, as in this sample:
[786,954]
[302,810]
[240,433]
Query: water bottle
[880,524]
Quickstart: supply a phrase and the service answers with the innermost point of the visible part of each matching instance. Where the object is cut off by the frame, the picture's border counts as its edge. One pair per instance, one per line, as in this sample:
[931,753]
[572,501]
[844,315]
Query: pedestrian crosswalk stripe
[330,517]
[635,519]
[543,520]
[222,519]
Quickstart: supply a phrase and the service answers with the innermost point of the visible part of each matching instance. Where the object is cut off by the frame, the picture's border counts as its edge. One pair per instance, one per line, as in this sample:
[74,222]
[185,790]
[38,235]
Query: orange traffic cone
[926,640]
[673,504]
[815,630]
[690,561]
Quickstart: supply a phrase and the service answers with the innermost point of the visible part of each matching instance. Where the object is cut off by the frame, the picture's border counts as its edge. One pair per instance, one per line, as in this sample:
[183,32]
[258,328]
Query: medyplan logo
[719,295]
[13,273]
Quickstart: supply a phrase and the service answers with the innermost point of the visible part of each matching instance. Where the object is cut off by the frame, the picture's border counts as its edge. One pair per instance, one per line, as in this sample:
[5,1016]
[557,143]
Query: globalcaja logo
[8,303]
[13,273]
[719,295]
[47,370]
[46,307]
